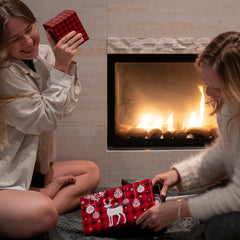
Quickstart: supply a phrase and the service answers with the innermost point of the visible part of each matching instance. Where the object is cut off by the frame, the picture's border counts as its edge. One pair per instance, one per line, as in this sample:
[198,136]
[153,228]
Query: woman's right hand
[166,180]
[65,49]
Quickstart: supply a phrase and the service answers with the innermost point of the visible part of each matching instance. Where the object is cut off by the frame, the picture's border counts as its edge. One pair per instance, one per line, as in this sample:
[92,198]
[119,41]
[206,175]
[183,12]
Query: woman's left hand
[159,216]
[65,49]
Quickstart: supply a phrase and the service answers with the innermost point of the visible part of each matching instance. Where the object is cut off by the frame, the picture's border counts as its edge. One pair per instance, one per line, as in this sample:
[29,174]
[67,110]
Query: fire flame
[149,121]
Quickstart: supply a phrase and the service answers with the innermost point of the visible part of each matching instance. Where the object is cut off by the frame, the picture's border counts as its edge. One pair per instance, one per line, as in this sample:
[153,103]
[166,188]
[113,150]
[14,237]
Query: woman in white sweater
[39,85]
[219,64]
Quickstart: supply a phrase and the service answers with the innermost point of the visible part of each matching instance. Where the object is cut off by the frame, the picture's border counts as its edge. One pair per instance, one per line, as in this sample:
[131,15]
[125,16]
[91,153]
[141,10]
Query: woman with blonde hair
[219,64]
[38,87]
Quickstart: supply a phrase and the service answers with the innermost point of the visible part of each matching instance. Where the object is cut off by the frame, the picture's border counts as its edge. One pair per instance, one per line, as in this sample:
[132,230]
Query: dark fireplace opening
[157,101]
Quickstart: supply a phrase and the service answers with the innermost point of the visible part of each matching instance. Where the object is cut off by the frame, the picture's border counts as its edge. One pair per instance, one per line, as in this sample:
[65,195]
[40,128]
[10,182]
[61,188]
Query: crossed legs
[83,176]
[26,214]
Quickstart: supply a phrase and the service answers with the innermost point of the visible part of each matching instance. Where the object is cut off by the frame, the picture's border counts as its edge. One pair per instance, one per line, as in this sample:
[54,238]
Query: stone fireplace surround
[155,45]
[149,50]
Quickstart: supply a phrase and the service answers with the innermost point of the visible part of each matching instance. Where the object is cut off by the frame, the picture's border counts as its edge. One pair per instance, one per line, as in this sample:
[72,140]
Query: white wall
[83,135]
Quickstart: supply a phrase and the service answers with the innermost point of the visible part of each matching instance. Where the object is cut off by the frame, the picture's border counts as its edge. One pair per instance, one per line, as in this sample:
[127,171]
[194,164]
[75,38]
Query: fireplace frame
[116,143]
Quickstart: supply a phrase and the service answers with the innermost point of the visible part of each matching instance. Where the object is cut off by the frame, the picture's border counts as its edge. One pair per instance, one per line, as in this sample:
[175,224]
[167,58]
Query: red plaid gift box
[115,208]
[64,23]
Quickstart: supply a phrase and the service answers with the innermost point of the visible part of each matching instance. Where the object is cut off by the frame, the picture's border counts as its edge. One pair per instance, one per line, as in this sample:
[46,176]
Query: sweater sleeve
[218,200]
[203,170]
[221,160]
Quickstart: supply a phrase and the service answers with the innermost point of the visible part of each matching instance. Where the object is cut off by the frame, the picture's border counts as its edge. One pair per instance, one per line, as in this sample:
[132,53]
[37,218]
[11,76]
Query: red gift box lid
[115,208]
[64,23]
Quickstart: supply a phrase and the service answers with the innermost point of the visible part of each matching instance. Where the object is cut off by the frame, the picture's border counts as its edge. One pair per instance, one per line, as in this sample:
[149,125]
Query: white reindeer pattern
[111,211]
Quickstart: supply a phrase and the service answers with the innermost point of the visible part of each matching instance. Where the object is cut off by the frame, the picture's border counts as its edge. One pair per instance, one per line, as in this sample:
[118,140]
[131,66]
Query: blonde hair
[8,9]
[223,55]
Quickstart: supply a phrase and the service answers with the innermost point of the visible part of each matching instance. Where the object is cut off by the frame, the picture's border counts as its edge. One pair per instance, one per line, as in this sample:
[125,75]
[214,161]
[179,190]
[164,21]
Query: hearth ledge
[156,45]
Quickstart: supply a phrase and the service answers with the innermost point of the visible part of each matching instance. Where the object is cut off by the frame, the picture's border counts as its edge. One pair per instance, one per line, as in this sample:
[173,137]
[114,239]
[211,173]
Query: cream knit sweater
[213,164]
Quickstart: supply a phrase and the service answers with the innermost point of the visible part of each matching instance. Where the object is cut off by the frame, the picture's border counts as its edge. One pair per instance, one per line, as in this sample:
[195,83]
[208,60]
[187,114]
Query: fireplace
[157,101]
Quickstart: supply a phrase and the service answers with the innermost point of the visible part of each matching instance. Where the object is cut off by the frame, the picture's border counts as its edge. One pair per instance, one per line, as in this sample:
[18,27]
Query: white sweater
[215,163]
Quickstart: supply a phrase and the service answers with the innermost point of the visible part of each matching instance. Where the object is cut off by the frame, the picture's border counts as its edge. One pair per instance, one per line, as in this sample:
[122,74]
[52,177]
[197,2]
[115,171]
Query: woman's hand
[166,180]
[159,216]
[65,49]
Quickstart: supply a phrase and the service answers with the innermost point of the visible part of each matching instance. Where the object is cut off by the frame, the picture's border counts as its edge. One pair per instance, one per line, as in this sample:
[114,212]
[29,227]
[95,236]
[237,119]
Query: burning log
[121,130]
[167,135]
[180,134]
[199,132]
[155,133]
[122,133]
[138,133]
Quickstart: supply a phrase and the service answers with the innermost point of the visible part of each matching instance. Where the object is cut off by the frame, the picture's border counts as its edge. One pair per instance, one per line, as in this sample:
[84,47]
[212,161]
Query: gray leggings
[223,227]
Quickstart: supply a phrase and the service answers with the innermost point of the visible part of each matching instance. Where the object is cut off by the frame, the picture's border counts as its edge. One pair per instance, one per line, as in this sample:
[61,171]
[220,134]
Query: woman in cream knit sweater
[219,65]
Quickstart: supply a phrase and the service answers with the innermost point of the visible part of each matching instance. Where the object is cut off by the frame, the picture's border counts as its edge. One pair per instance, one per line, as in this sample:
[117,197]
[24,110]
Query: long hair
[8,9]
[223,55]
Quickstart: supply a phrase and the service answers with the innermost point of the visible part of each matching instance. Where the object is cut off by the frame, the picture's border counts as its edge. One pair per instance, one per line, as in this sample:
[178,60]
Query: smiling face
[212,81]
[23,38]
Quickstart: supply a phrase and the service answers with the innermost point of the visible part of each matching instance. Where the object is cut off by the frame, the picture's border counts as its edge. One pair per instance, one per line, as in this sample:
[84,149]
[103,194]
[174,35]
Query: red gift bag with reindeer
[115,208]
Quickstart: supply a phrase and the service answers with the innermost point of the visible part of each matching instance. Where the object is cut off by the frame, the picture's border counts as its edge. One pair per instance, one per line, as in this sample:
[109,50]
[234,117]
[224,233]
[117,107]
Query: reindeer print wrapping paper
[115,208]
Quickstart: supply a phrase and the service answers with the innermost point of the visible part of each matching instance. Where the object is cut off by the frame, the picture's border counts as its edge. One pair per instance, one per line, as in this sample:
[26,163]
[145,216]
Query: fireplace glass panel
[158,104]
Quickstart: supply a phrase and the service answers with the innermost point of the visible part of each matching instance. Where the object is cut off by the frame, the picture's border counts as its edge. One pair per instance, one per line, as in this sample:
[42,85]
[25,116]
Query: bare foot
[54,187]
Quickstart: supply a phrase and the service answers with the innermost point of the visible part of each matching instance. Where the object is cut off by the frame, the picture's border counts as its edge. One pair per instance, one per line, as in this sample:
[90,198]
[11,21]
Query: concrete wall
[84,134]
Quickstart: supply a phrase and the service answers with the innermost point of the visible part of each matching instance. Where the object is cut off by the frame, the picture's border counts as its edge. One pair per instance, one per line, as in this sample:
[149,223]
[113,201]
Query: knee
[43,216]
[94,172]
[26,214]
